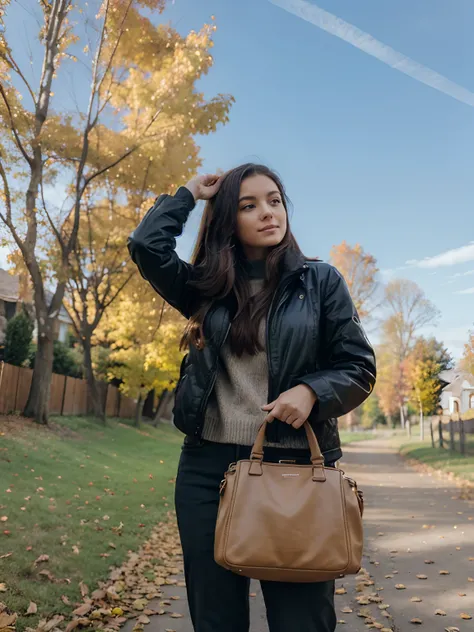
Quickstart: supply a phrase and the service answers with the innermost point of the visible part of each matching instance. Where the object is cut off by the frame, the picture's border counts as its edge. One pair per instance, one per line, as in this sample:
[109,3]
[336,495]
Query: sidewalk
[415,525]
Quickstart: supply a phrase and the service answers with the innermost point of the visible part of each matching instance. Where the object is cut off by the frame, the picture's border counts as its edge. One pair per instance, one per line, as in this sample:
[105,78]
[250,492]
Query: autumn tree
[141,108]
[408,311]
[387,386]
[143,332]
[422,367]
[359,270]
[467,360]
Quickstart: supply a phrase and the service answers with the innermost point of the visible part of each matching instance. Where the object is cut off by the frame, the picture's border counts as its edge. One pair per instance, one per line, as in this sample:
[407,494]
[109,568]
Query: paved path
[410,518]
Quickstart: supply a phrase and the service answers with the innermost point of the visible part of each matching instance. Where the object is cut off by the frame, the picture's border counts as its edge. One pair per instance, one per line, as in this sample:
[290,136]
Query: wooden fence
[68,395]
[456,435]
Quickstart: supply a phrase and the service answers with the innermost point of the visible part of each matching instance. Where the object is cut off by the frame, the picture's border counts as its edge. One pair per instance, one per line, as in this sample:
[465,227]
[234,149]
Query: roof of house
[9,286]
[10,291]
[458,381]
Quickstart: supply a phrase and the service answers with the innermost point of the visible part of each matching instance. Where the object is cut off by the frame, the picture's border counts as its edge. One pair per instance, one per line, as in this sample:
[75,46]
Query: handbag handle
[316,456]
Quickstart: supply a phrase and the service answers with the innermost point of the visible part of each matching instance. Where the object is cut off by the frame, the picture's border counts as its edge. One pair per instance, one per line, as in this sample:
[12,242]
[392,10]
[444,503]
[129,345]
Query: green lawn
[440,459]
[351,437]
[82,494]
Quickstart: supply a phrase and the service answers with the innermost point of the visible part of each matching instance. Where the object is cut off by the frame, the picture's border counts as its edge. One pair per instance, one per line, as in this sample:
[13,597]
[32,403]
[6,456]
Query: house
[14,292]
[457,396]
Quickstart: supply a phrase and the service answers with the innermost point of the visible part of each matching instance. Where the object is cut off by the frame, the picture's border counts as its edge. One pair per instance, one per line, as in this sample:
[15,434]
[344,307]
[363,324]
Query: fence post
[432,434]
[64,396]
[452,447]
[440,433]
[462,438]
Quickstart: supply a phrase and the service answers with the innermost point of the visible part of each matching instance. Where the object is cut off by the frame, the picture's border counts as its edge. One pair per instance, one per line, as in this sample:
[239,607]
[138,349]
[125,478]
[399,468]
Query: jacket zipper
[279,292]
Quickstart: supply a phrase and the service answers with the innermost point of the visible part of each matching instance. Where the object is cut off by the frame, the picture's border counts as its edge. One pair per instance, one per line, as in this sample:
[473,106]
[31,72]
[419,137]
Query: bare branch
[16,68]
[50,220]
[28,158]
[8,199]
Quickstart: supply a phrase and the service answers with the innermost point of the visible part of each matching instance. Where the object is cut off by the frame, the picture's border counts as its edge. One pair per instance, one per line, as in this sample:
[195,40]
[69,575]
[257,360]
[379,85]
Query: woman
[271,335]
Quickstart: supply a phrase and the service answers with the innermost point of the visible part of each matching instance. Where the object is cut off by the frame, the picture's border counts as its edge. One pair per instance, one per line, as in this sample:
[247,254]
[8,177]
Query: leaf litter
[125,595]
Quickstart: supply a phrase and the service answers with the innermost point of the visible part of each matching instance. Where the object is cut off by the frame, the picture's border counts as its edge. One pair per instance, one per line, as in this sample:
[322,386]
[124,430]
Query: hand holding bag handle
[317,459]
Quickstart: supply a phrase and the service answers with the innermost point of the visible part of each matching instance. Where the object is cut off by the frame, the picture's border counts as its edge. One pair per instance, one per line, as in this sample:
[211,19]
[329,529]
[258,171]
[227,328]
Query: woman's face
[261,216]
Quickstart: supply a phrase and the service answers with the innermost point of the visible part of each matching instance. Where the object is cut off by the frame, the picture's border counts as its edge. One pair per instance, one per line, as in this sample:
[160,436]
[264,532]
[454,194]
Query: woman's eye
[248,207]
[276,201]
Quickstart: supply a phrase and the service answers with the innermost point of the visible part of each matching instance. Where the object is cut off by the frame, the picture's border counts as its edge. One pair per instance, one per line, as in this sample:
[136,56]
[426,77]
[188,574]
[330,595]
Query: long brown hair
[219,265]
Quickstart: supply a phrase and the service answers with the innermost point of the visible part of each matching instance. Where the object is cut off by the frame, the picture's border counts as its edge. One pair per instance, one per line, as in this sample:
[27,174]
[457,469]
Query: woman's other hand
[204,187]
[292,407]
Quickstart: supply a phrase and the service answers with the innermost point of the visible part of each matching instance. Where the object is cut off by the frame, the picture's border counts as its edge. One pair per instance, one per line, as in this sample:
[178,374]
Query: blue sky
[368,153]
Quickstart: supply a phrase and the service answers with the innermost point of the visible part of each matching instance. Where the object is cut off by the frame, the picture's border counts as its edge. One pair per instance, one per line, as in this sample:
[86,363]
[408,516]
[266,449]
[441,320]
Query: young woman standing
[271,336]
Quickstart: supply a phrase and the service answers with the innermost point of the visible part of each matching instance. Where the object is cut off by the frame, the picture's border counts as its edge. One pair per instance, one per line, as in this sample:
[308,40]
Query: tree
[359,270]
[18,337]
[141,108]
[143,332]
[372,414]
[422,367]
[386,387]
[467,360]
[408,311]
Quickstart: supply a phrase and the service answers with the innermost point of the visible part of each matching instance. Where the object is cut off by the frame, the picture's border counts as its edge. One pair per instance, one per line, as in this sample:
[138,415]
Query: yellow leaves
[341,591]
[440,613]
[400,586]
[7,621]
[421,576]
[465,616]
[416,621]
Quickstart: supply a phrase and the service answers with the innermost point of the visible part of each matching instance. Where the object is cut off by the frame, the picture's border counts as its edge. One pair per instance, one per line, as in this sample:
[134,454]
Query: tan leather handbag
[287,522]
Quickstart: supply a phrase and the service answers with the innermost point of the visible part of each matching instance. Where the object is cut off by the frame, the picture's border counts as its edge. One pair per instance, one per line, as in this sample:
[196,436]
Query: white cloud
[461,274]
[447,258]
[469,290]
[364,41]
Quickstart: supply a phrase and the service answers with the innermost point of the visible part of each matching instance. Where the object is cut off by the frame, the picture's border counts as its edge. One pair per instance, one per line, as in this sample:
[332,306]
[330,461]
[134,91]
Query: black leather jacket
[314,335]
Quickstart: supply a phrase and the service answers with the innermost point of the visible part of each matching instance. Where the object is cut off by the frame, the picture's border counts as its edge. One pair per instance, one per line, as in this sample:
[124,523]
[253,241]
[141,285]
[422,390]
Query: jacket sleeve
[350,370]
[152,247]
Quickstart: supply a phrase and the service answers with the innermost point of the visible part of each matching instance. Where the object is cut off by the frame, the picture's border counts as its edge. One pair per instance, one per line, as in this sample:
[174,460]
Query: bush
[66,361]
[18,336]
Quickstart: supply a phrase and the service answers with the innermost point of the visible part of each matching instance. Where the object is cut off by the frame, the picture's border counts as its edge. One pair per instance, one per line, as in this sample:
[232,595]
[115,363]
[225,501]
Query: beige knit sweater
[234,412]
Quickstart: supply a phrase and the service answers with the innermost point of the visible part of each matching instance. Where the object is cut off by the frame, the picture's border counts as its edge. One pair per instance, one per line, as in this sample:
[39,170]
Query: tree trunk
[422,423]
[402,417]
[37,406]
[92,386]
[159,406]
[138,412]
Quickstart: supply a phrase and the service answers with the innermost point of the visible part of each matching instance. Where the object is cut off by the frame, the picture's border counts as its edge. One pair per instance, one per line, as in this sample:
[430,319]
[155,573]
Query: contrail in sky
[364,41]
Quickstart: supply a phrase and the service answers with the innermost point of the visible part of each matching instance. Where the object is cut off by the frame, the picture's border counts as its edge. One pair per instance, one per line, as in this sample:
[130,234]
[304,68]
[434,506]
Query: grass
[440,459]
[82,494]
[352,437]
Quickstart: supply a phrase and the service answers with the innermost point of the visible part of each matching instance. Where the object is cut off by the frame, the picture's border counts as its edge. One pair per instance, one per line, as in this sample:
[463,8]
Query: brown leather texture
[286,522]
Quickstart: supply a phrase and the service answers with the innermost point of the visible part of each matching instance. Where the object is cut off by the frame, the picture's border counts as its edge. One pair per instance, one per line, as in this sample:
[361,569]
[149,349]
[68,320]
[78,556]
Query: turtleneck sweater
[233,413]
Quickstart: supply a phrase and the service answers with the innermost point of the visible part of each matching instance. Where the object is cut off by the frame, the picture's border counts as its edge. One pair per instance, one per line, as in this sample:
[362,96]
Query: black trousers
[219,599]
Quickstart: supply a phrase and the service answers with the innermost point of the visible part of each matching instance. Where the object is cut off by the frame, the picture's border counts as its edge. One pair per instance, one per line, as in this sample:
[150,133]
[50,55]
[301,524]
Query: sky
[366,110]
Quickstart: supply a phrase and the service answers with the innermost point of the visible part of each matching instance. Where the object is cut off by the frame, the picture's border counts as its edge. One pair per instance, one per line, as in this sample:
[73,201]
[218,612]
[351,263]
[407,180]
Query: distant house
[14,292]
[457,396]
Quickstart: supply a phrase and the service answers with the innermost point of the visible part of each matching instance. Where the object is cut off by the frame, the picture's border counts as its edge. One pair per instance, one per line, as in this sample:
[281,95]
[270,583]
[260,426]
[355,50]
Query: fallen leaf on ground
[440,613]
[346,610]
[176,615]
[444,573]
[2,557]
[416,599]
[32,608]
[41,558]
[3,587]
[7,621]
[429,562]
[400,586]
[384,606]
[423,576]
[341,591]
[143,619]
[84,589]
[452,629]
[465,616]
[416,621]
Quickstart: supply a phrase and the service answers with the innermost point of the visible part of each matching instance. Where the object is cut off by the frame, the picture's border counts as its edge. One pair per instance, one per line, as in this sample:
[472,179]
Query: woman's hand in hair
[204,187]
[292,407]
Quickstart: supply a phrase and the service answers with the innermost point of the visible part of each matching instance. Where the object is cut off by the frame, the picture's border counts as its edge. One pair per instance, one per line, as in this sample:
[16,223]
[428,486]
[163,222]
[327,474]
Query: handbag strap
[316,456]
